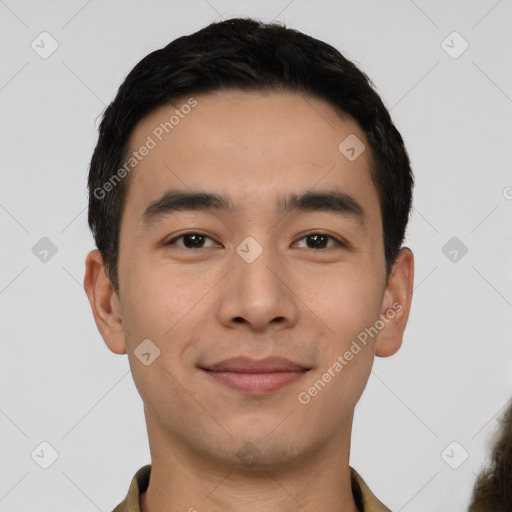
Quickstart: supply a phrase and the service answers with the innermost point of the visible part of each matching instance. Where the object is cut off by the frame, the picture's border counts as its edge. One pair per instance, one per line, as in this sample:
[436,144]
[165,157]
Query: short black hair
[248,55]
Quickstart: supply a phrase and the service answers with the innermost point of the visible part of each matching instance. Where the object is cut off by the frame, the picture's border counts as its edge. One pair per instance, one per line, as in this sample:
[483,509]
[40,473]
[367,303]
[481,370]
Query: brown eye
[190,240]
[319,241]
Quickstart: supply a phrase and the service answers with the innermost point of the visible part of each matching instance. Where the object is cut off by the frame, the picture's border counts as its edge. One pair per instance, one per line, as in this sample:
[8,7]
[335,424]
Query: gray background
[452,377]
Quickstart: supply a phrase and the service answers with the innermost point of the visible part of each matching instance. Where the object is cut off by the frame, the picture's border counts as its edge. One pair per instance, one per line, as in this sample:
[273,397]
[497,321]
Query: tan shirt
[364,498]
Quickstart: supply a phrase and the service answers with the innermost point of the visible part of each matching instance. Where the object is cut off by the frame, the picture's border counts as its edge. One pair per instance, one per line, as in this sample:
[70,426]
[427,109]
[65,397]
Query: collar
[363,496]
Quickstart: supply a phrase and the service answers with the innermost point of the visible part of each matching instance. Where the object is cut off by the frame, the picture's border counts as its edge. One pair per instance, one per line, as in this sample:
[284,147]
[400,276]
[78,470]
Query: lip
[245,364]
[255,377]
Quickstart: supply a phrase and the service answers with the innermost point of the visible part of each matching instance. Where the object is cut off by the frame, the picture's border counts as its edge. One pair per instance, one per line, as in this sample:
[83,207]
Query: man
[249,195]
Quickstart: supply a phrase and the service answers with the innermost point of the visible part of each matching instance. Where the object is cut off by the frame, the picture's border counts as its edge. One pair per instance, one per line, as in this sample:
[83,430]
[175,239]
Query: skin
[203,305]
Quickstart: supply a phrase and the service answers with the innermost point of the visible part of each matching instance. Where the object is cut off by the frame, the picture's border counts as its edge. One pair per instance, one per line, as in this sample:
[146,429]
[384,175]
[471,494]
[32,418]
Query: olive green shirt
[364,498]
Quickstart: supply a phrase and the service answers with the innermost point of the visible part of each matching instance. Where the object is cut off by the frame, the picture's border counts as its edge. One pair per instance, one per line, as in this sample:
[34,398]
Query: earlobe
[104,302]
[396,304]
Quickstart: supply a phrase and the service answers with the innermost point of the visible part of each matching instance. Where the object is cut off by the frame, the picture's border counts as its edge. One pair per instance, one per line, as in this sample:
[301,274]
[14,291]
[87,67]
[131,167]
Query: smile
[253,377]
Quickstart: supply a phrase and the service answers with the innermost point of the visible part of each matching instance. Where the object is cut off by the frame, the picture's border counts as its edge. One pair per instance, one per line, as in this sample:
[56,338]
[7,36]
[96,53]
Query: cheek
[346,302]
[160,307]
[156,299]
[347,352]
[350,308]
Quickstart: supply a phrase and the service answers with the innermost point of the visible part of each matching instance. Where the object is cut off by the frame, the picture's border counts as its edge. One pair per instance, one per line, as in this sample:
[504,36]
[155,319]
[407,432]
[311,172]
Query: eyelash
[338,243]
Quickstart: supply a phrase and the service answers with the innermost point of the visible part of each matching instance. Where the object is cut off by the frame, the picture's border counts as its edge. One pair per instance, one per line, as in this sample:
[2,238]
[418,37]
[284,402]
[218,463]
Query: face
[269,274]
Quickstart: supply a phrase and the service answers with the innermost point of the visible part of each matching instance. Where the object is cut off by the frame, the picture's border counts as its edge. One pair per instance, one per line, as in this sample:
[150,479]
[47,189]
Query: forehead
[249,146]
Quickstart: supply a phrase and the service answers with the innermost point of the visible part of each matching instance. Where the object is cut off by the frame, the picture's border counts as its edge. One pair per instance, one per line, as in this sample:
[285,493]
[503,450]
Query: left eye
[319,240]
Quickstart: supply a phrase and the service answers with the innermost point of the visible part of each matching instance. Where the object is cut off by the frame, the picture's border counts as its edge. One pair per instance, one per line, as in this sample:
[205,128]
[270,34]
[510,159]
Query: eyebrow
[330,201]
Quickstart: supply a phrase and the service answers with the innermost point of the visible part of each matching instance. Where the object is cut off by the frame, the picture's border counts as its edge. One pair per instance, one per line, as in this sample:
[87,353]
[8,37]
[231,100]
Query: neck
[184,481]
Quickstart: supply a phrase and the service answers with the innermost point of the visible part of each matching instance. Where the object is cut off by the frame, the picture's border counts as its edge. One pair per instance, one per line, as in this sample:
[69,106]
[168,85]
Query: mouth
[256,377]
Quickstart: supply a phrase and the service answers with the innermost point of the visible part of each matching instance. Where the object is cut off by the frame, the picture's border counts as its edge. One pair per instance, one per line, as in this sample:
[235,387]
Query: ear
[104,303]
[396,304]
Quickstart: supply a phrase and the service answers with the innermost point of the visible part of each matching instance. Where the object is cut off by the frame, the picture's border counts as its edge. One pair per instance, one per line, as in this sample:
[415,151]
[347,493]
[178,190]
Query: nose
[258,295]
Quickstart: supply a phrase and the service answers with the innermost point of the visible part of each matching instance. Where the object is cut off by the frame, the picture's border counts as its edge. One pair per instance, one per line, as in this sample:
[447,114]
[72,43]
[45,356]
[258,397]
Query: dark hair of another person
[493,487]
[247,55]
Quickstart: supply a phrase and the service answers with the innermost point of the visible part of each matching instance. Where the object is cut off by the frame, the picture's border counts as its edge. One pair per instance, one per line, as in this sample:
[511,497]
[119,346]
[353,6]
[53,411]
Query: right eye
[191,240]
